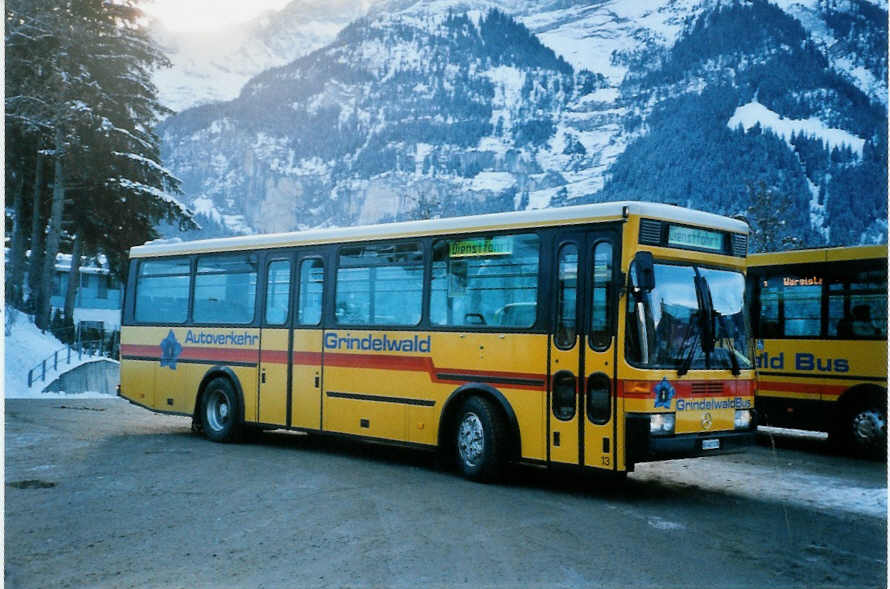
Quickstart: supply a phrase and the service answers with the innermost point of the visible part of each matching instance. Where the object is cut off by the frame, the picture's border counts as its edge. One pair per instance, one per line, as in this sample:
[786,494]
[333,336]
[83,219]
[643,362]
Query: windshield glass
[668,329]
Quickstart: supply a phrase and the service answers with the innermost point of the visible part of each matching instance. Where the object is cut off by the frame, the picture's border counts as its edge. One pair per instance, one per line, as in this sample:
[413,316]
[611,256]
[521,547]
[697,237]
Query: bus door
[275,342]
[582,372]
[306,353]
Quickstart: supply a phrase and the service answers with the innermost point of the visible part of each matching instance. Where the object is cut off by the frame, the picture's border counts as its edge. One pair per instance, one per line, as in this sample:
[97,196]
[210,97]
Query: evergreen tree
[78,77]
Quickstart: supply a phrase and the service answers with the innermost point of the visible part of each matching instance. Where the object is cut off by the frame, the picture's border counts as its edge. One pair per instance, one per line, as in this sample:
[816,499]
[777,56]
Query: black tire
[865,425]
[221,411]
[480,440]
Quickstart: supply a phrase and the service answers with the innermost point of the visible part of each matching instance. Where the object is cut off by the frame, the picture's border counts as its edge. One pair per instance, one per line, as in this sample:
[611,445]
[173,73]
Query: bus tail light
[661,424]
[743,418]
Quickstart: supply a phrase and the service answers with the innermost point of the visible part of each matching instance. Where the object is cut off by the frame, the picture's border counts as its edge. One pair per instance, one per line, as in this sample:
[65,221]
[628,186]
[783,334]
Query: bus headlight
[742,418]
[661,424]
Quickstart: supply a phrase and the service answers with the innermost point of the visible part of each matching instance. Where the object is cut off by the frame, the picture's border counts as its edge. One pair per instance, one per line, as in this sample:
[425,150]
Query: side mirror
[642,273]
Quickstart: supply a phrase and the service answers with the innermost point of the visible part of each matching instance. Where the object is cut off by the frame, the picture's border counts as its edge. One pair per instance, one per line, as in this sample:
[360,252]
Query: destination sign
[496,246]
[679,236]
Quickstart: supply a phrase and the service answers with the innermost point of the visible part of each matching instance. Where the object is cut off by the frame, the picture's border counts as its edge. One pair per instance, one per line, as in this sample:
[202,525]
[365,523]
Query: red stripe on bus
[273,356]
[797,387]
[219,354]
[685,389]
[134,350]
[417,364]
[209,354]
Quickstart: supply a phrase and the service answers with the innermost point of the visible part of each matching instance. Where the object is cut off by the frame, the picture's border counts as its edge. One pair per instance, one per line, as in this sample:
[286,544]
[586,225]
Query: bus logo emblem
[170,351]
[664,393]
[706,421]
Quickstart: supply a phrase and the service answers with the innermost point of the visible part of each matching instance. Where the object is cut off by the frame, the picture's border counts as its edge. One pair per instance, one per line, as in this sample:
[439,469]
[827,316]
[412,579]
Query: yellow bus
[820,326]
[597,336]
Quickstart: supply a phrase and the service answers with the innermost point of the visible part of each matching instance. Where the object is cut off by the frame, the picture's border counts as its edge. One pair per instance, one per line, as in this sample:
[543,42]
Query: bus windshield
[687,323]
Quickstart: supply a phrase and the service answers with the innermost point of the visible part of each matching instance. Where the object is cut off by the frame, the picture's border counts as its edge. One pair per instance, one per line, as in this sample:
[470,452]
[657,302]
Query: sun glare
[207,15]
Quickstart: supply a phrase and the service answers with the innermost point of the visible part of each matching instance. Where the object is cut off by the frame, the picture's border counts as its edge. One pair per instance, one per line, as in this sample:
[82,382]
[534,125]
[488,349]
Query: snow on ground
[784,479]
[752,113]
[25,347]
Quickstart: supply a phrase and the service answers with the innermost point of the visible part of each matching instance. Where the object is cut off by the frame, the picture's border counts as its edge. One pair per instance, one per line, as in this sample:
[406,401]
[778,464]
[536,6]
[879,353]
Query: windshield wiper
[733,360]
[705,315]
[687,359]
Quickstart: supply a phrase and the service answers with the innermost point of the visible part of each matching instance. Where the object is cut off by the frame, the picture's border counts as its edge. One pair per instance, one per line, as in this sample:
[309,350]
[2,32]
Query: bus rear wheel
[480,440]
[220,411]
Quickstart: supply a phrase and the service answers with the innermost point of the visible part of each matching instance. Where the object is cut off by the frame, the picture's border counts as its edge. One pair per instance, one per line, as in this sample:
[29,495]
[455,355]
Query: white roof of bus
[541,217]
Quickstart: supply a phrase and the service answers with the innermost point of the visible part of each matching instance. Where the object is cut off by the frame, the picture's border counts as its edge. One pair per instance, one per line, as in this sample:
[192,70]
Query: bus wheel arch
[219,405]
[451,413]
[863,426]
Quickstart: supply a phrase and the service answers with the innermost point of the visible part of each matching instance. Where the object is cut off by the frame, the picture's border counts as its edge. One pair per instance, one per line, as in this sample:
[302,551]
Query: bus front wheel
[480,440]
[220,411]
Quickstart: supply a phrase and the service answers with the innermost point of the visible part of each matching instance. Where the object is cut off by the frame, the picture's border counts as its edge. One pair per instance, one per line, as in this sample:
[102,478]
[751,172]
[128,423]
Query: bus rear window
[485,281]
[162,291]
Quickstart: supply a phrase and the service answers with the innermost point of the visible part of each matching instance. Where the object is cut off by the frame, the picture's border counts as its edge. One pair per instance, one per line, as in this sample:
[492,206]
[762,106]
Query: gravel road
[100,493]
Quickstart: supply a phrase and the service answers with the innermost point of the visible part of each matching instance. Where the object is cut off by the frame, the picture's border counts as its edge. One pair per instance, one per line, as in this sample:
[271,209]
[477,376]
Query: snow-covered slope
[443,107]
[24,347]
[213,66]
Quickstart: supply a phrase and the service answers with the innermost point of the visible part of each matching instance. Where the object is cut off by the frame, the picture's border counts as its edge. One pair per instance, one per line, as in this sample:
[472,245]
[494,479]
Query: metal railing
[89,347]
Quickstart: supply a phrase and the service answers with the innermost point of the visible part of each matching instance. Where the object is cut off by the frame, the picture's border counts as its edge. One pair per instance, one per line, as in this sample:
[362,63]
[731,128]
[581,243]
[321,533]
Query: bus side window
[225,289]
[769,294]
[601,299]
[277,292]
[379,284]
[566,297]
[857,305]
[310,294]
[803,309]
[162,291]
[485,281]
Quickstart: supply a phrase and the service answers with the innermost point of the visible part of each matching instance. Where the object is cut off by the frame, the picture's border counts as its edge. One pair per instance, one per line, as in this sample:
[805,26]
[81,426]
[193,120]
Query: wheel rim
[217,410]
[869,427]
[470,439]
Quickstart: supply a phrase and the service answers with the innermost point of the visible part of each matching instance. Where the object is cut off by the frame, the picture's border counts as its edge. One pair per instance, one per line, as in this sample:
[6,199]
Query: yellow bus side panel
[272,398]
[306,379]
[818,369]
[138,381]
[181,357]
[398,390]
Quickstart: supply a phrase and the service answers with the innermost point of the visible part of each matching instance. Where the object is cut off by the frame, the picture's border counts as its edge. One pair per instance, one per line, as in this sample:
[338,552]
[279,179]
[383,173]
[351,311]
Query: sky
[207,15]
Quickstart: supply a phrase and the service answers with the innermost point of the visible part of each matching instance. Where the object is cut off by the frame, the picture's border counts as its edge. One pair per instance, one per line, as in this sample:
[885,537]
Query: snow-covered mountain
[442,107]
[214,66]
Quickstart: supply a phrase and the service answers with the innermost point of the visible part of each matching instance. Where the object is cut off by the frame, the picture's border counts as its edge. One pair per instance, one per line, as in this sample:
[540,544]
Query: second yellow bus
[820,323]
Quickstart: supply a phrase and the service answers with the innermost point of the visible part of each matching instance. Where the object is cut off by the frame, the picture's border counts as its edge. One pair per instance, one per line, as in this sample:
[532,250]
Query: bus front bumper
[644,447]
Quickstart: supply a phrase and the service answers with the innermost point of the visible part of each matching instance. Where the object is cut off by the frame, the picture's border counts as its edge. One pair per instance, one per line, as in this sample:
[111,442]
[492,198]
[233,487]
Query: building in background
[97,304]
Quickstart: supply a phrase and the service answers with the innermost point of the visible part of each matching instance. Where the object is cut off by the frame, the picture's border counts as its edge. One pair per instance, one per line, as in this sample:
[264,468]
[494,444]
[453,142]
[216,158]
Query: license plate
[710,444]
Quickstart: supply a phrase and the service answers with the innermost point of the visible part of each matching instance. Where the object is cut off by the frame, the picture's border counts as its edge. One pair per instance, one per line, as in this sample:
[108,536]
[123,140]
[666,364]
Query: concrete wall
[100,376]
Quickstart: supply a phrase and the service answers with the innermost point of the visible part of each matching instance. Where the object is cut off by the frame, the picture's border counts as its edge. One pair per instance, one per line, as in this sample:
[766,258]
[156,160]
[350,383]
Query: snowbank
[26,346]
